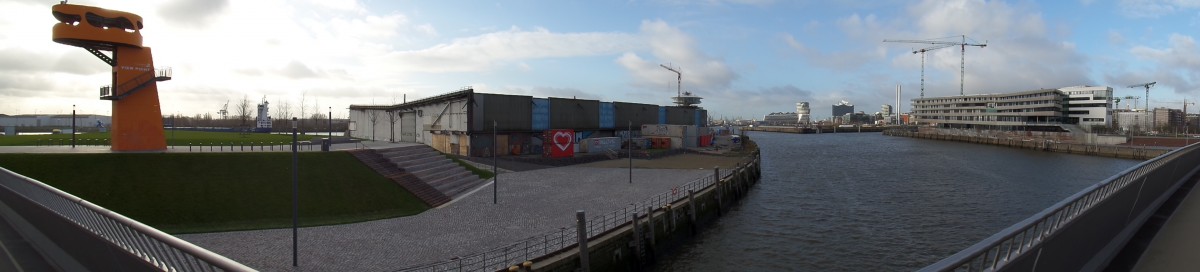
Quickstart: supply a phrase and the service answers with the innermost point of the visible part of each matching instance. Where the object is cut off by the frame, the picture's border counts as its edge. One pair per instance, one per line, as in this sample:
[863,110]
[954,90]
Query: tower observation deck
[136,114]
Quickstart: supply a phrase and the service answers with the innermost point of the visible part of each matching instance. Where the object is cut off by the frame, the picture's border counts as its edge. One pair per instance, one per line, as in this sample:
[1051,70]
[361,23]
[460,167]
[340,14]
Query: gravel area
[531,203]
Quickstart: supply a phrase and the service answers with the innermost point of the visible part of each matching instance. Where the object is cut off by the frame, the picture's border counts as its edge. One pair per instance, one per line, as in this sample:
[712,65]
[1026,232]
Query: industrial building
[1036,110]
[462,122]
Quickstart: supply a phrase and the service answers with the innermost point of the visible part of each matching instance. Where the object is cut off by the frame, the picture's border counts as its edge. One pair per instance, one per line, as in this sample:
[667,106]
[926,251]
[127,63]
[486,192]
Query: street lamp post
[629,135]
[331,125]
[73,126]
[295,192]
[495,174]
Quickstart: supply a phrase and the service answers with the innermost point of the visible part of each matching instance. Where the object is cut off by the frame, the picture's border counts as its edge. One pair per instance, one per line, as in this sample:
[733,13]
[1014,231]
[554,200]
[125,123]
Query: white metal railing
[156,248]
[1129,197]
[541,245]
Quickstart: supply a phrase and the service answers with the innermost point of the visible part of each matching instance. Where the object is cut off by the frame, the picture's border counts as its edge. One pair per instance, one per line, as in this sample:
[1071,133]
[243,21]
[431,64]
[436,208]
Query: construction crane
[1134,98]
[922,51]
[962,66]
[1147,86]
[678,79]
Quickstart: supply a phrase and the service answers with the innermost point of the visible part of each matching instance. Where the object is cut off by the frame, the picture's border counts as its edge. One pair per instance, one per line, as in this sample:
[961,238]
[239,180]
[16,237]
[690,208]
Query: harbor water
[868,202]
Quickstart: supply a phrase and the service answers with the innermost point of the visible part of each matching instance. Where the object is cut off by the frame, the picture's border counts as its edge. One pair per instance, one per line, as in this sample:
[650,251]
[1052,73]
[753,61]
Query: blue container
[662,115]
[607,115]
[700,122]
[541,114]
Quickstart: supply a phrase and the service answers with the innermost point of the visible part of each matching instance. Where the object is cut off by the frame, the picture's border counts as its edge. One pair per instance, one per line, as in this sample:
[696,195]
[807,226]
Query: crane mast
[962,66]
[678,79]
[1147,86]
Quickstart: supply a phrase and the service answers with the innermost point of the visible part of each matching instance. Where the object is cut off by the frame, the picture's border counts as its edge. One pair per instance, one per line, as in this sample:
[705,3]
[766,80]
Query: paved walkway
[530,203]
[1175,246]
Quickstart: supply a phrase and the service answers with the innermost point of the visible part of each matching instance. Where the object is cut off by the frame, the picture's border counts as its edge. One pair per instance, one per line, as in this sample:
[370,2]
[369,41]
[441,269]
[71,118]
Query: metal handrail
[993,253]
[545,244]
[159,249]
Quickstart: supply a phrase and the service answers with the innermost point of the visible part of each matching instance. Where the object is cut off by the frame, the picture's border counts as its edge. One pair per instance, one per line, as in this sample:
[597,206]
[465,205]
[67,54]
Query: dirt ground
[681,161]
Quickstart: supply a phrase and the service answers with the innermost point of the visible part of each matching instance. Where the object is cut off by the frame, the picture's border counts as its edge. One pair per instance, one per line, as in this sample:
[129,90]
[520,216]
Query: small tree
[373,116]
[392,118]
[284,110]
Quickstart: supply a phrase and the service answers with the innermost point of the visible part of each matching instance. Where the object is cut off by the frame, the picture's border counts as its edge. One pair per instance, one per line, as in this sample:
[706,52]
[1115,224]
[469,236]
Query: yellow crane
[962,66]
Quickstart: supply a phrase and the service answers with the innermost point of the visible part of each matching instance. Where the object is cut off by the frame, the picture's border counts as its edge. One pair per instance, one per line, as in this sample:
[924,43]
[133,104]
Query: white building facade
[1088,106]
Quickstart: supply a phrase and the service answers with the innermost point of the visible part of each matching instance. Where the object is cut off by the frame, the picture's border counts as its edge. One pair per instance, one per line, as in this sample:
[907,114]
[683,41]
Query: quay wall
[632,247]
[815,130]
[1126,152]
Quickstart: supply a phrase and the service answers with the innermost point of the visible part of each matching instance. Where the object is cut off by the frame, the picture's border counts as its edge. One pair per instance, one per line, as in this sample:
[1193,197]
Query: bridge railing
[1086,230]
[75,234]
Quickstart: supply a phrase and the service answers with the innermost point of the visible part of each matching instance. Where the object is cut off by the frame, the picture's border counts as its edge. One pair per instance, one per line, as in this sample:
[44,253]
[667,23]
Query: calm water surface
[868,202]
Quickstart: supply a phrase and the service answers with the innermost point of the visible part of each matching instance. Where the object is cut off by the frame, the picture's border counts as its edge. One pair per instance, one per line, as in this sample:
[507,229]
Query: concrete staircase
[436,174]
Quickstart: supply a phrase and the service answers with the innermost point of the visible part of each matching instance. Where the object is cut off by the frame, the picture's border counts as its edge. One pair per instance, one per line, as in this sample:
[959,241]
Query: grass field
[206,192]
[175,138]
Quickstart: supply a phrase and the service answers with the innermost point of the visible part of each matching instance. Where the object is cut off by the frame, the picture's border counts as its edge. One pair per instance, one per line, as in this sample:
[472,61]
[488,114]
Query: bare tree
[317,116]
[284,110]
[303,109]
[243,109]
[392,118]
[372,115]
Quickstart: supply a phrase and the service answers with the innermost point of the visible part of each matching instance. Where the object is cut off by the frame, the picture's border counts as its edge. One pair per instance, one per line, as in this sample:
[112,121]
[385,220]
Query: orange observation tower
[136,116]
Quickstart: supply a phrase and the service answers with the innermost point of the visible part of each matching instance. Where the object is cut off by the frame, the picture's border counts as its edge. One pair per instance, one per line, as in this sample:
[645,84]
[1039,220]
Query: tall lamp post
[495,174]
[629,135]
[73,125]
[331,125]
[295,192]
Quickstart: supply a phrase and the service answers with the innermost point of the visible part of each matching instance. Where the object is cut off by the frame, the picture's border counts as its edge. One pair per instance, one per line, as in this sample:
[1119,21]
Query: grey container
[577,114]
[511,112]
[640,114]
[681,116]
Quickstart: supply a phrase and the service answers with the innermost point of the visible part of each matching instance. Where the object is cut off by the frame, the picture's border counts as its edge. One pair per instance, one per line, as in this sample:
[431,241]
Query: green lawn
[175,138]
[208,192]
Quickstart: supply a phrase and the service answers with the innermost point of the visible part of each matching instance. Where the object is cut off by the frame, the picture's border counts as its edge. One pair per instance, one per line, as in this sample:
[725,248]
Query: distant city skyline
[746,58]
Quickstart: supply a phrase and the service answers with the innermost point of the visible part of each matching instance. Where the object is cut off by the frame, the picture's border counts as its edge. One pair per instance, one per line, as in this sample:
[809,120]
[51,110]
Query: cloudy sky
[745,57]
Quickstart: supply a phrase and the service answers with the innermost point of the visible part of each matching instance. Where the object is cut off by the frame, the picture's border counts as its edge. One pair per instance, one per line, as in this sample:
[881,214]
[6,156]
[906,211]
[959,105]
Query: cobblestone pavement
[530,203]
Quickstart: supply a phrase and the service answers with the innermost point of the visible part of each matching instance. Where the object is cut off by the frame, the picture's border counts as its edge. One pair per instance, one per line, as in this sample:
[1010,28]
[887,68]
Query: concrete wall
[1139,153]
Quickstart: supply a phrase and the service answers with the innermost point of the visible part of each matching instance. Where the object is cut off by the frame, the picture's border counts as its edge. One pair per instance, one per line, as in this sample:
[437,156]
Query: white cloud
[485,51]
[1021,54]
[671,46]
[1176,67]
[1154,8]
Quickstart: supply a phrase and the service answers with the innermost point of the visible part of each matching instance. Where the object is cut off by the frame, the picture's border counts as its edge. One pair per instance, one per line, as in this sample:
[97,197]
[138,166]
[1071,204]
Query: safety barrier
[1085,231]
[76,235]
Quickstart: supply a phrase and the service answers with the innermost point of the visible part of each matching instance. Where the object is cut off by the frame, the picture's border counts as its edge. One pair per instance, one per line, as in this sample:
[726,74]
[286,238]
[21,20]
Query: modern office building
[1088,106]
[1134,120]
[842,108]
[781,118]
[885,111]
[803,113]
[1037,110]
[1164,117]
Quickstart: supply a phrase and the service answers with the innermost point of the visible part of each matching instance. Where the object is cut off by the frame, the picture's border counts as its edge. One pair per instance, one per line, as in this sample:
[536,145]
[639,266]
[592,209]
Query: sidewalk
[530,203]
[1175,246]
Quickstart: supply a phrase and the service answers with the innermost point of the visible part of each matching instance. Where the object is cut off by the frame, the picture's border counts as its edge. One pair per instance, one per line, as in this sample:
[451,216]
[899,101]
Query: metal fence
[139,244]
[541,245]
[1086,230]
[199,146]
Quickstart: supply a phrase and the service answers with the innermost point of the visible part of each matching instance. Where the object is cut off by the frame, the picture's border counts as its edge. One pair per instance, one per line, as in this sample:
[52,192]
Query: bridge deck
[1176,247]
